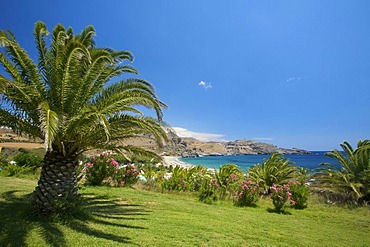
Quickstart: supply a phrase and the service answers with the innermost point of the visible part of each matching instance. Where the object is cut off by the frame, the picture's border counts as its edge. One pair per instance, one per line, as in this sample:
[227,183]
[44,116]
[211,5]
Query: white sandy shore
[174,161]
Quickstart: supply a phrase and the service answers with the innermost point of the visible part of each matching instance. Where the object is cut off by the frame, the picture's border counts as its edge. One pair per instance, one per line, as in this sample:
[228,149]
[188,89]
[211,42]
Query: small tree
[69,100]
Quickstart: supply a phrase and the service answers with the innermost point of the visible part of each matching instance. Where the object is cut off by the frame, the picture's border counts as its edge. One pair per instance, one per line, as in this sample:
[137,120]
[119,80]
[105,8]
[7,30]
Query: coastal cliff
[190,147]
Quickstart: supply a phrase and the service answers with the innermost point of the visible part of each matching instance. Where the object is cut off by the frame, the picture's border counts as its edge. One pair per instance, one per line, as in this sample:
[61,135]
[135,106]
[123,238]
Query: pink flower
[128,171]
[274,187]
[114,162]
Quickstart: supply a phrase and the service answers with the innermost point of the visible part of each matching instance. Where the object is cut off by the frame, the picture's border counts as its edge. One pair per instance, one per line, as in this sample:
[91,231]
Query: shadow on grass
[95,213]
[273,210]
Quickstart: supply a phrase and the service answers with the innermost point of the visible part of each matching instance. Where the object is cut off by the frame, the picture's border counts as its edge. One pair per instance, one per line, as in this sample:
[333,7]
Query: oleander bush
[281,195]
[300,194]
[246,194]
[104,169]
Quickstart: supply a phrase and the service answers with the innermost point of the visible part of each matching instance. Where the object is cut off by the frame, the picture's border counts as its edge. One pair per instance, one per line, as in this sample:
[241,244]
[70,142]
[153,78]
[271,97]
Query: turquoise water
[309,161]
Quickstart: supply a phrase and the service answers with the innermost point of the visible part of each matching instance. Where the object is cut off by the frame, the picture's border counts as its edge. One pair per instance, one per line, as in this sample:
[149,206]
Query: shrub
[177,180]
[154,175]
[104,169]
[280,195]
[208,192]
[227,177]
[99,168]
[246,194]
[195,177]
[28,159]
[3,161]
[275,170]
[353,174]
[126,175]
[15,170]
[300,194]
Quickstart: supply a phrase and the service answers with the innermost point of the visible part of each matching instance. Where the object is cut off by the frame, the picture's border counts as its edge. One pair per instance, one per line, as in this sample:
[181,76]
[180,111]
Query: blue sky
[290,73]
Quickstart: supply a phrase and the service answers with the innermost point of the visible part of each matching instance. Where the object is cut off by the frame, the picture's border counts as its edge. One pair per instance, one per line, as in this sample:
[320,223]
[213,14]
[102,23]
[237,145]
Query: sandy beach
[174,161]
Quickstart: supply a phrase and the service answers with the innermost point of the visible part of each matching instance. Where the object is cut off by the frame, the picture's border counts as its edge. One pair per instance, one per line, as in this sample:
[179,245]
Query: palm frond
[86,37]
[40,33]
[48,123]
[24,63]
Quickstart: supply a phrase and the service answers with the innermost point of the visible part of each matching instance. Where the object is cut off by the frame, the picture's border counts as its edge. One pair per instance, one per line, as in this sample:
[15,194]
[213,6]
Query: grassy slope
[126,216]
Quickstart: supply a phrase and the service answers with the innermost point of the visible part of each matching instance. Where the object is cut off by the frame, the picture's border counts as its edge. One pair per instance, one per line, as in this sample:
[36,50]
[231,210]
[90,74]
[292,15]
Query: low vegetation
[111,216]
[353,175]
[256,208]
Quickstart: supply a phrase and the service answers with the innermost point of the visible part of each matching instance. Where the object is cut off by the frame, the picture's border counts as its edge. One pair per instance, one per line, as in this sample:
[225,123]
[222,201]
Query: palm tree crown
[64,98]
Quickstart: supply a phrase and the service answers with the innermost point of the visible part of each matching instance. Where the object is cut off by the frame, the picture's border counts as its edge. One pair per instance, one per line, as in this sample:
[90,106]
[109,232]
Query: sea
[310,161]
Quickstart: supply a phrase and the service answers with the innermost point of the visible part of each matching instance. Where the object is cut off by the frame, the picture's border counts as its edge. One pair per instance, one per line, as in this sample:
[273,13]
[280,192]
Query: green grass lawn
[120,216]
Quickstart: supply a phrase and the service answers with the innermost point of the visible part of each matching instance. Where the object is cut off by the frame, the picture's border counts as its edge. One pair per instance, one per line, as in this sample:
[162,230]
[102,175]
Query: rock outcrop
[190,147]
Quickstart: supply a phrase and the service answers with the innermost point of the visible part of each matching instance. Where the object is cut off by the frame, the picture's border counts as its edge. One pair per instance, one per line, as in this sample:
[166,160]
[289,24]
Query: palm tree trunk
[57,186]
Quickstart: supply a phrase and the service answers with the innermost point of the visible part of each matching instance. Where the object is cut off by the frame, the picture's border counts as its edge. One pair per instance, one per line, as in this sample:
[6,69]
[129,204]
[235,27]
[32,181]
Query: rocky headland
[177,146]
[190,147]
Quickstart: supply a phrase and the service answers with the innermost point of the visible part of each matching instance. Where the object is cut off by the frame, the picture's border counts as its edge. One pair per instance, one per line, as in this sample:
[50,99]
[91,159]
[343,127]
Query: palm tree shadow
[17,220]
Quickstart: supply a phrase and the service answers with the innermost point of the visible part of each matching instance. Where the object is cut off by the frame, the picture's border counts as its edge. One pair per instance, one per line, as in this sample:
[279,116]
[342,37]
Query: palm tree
[68,100]
[353,175]
[274,170]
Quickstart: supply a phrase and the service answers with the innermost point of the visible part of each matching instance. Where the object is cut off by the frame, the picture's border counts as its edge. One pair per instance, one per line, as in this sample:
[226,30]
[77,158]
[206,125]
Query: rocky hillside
[190,147]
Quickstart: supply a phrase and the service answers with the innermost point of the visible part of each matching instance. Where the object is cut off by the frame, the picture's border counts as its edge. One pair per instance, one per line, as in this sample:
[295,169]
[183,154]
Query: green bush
[126,175]
[353,174]
[154,175]
[300,194]
[227,177]
[98,168]
[280,195]
[104,169]
[195,177]
[246,194]
[275,170]
[177,180]
[3,161]
[208,193]
[15,170]
[28,160]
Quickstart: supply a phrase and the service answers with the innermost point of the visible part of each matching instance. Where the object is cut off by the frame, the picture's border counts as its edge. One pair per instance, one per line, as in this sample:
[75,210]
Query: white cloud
[262,138]
[293,79]
[205,137]
[205,84]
